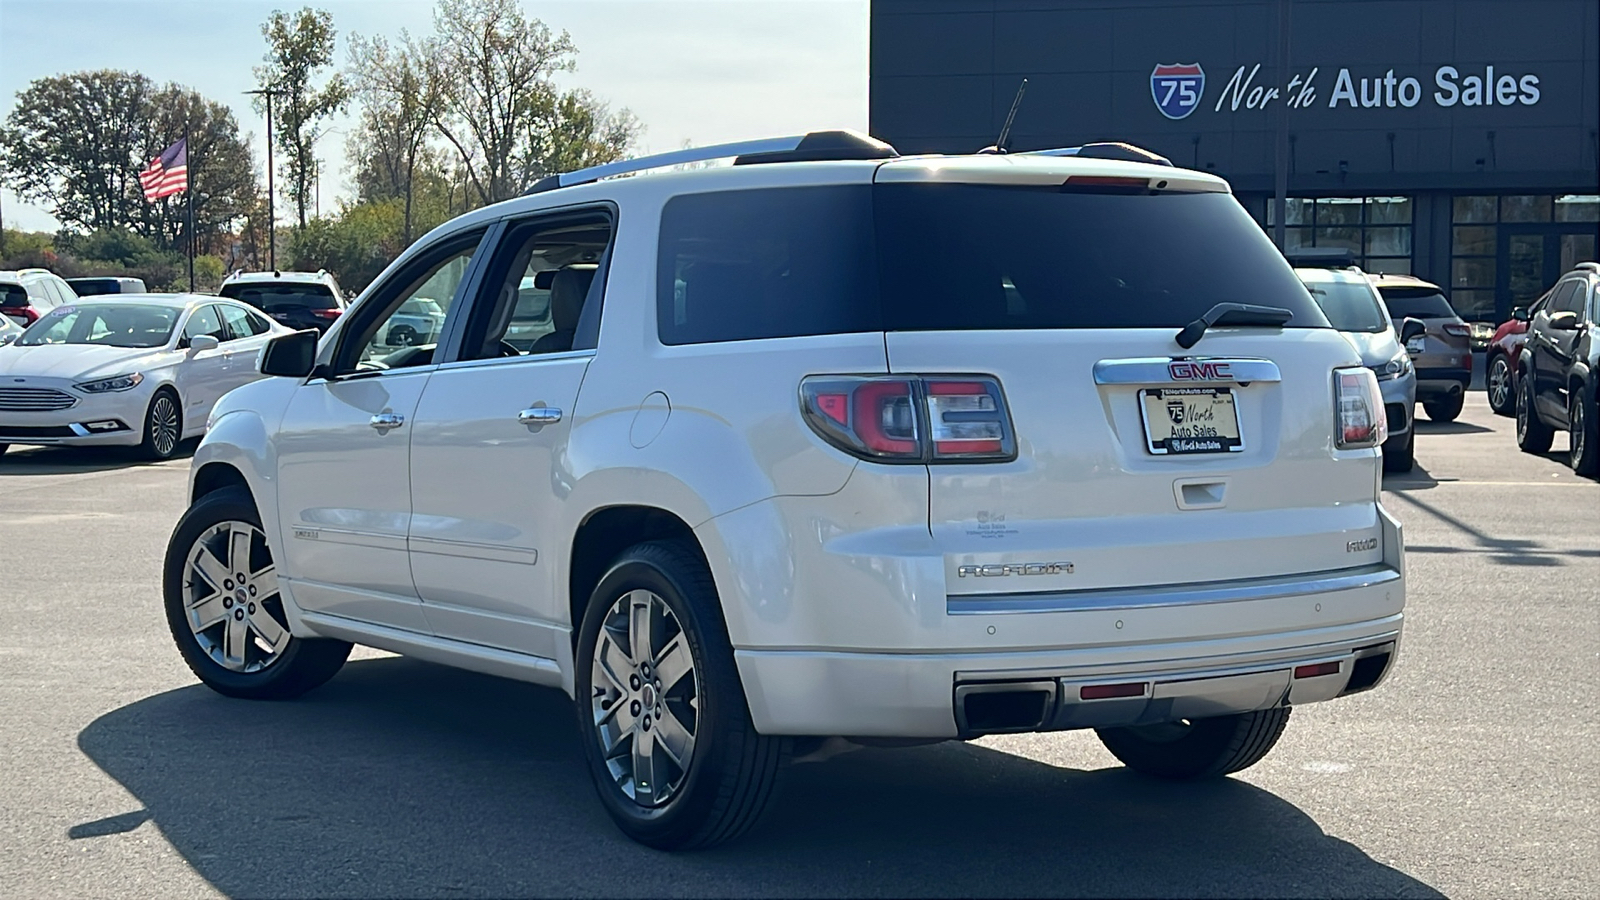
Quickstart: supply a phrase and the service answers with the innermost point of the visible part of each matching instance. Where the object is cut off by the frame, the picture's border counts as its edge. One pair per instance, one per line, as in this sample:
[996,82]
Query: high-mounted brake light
[331,312]
[1358,409]
[912,418]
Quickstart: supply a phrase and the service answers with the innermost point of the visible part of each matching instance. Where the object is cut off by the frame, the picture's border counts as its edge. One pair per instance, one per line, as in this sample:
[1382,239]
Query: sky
[700,71]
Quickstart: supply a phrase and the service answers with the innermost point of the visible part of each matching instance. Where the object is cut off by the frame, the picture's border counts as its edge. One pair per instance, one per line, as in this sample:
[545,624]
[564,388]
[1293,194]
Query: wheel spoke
[673,662]
[213,570]
[673,738]
[644,767]
[265,581]
[235,636]
[613,663]
[239,549]
[639,616]
[206,612]
[623,721]
[271,631]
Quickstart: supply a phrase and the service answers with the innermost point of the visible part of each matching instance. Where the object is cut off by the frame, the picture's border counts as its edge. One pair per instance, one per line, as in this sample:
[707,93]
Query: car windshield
[278,298]
[109,324]
[1418,303]
[1349,304]
[83,287]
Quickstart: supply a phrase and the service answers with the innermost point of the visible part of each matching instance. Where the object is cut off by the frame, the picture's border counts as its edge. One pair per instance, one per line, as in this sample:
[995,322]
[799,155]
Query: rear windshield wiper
[1231,314]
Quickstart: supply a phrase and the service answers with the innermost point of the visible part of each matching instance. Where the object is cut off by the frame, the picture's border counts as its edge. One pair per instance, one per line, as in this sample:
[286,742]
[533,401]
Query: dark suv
[1556,373]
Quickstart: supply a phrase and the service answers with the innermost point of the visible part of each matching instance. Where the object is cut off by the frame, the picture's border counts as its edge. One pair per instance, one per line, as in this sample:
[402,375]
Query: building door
[1532,257]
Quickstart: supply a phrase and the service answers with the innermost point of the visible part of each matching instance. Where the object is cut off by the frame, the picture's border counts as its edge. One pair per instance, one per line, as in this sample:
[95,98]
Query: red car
[1505,348]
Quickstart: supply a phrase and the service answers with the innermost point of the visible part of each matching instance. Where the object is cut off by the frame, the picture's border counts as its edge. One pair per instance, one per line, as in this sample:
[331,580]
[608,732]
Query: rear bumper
[1441,381]
[931,695]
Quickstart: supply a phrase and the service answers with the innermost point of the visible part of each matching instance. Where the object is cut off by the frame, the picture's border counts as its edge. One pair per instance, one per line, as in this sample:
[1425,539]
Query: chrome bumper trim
[1271,588]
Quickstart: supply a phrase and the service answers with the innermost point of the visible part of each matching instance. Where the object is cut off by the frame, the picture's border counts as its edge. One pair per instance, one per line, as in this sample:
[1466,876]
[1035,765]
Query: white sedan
[140,370]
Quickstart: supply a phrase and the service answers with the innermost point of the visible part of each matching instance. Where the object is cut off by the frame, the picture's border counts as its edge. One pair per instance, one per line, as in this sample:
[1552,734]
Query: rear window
[1418,303]
[1349,304]
[803,261]
[13,295]
[281,298]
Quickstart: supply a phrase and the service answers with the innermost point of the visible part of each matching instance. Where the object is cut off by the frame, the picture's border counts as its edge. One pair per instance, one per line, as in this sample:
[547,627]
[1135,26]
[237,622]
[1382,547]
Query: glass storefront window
[1474,305]
[1398,265]
[1577,208]
[1339,211]
[1472,273]
[1525,208]
[1473,240]
[1348,238]
[1389,211]
[1389,241]
[1473,209]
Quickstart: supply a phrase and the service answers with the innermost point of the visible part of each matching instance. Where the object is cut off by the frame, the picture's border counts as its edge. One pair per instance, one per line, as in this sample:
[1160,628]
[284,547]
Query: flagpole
[188,193]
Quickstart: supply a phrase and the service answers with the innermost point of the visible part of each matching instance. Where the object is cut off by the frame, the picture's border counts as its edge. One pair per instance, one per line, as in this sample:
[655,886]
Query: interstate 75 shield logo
[1177,88]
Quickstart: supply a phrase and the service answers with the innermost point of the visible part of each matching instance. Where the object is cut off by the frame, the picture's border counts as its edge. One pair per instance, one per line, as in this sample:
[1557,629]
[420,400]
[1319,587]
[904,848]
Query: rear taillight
[1458,329]
[911,419]
[1358,409]
[329,314]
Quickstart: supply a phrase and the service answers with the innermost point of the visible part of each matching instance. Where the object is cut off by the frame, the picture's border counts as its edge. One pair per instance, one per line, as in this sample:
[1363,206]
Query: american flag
[167,174]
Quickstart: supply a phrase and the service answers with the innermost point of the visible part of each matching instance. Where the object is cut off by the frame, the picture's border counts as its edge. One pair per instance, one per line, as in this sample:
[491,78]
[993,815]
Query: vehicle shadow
[44,460]
[401,778]
[1427,426]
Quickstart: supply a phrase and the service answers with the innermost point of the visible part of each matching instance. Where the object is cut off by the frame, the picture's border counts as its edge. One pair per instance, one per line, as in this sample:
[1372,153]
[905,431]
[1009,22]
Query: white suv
[829,443]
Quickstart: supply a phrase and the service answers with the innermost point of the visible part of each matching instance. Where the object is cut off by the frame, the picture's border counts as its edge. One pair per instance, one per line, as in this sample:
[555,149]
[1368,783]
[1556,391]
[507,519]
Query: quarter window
[204,320]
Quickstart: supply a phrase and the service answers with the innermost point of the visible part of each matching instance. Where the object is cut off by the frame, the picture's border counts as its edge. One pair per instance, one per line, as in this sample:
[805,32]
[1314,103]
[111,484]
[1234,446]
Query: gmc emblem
[1189,370]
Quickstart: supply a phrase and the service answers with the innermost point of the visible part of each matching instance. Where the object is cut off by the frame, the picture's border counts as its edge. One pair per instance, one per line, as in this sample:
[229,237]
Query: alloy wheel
[1580,430]
[1499,383]
[163,424]
[1524,410]
[231,598]
[646,698]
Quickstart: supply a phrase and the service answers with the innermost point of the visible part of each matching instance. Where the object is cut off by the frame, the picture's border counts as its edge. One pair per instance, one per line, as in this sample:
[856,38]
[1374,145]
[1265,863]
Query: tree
[73,143]
[499,106]
[299,46]
[399,90]
[77,142]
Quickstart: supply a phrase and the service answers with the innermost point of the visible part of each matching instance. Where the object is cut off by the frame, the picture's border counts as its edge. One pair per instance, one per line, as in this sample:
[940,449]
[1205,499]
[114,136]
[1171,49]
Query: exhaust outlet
[1001,707]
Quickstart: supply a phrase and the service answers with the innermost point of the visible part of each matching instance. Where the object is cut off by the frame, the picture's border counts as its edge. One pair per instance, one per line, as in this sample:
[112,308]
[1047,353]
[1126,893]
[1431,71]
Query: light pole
[318,186]
[272,218]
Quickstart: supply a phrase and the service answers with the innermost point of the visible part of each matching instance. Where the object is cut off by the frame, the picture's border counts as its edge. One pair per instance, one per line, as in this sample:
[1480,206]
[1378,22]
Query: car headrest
[568,289]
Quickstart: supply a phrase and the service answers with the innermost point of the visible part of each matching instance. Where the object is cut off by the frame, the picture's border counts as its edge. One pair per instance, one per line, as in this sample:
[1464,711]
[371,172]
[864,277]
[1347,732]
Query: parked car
[1500,361]
[86,287]
[1557,375]
[295,299]
[1353,306]
[9,330]
[896,449]
[143,370]
[1443,354]
[417,321]
[27,294]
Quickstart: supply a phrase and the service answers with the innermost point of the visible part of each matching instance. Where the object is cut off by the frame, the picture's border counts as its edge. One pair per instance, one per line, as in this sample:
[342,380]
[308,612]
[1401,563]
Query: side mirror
[1412,328]
[203,342]
[1520,314]
[1566,320]
[290,355]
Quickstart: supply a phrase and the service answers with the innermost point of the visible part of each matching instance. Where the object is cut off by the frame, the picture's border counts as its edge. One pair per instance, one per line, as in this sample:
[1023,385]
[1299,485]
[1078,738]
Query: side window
[543,288]
[258,323]
[1571,299]
[399,324]
[237,322]
[204,320]
[65,290]
[43,297]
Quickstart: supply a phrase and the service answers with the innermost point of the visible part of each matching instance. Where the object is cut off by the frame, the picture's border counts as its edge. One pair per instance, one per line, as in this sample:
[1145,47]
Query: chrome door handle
[539,415]
[386,421]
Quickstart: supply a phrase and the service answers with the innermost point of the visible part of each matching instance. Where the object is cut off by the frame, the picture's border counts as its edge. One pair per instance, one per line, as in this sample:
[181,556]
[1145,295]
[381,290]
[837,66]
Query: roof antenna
[999,146]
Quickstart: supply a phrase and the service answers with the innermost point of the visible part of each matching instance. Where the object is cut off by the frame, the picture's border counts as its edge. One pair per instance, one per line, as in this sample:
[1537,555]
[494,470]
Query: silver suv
[829,444]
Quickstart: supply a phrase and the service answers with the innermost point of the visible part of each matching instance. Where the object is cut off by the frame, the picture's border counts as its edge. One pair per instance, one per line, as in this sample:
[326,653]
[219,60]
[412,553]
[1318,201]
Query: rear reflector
[1108,691]
[1316,669]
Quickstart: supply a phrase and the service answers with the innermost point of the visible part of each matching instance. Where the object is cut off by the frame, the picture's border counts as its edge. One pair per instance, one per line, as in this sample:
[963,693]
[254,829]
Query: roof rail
[818,145]
[1588,266]
[1106,150]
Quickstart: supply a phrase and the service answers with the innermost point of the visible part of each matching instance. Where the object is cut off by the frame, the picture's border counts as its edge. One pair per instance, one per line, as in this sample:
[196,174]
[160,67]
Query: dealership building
[1451,139]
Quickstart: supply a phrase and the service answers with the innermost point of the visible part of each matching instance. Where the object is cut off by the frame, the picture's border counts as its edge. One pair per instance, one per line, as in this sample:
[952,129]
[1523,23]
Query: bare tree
[399,88]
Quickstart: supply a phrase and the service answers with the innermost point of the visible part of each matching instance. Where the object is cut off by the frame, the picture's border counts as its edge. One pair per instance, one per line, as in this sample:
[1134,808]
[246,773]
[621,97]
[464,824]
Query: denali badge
[1358,546]
[996,571]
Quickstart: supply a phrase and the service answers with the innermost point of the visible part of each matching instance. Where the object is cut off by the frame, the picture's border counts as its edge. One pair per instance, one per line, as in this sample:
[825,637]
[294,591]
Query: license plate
[1415,345]
[1190,420]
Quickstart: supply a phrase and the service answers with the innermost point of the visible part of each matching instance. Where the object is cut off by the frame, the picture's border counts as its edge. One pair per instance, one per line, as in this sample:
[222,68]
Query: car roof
[1381,281]
[178,300]
[1320,273]
[319,277]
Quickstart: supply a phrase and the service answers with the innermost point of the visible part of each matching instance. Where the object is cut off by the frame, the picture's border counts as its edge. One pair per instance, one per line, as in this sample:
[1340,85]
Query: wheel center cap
[648,696]
[239,595]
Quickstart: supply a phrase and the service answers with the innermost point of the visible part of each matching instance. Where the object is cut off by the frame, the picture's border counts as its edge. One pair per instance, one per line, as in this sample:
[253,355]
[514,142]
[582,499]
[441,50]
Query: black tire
[404,336]
[1399,456]
[732,769]
[1533,435]
[1445,409]
[1585,435]
[304,663]
[163,426]
[1199,748]
[1501,386]
[4,448]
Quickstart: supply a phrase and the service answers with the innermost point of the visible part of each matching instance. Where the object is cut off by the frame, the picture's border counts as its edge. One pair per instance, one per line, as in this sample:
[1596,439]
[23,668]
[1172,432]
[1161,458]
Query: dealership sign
[1179,88]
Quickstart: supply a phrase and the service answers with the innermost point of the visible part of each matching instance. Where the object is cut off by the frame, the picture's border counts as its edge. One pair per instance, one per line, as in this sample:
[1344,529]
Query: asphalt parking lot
[1471,773]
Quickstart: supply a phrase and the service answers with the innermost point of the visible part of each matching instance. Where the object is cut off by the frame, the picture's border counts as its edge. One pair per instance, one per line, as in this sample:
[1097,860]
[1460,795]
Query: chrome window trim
[1270,588]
